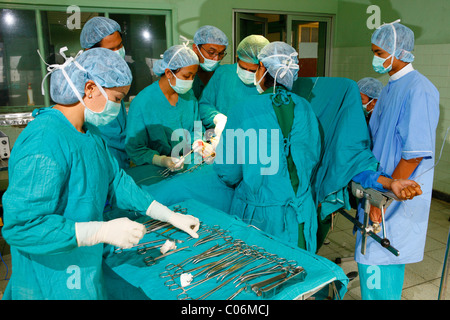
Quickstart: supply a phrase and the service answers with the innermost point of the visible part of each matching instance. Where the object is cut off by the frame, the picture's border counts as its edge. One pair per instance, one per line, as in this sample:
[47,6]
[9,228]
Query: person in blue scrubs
[369,89]
[273,194]
[101,32]
[161,117]
[210,45]
[60,175]
[403,129]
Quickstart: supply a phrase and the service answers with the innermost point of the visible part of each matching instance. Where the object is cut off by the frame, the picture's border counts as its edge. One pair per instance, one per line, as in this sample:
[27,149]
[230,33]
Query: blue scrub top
[152,121]
[59,176]
[258,168]
[114,134]
[403,125]
[223,91]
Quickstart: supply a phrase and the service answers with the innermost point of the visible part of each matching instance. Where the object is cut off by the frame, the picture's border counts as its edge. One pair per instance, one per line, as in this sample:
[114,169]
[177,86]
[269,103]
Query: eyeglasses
[213,53]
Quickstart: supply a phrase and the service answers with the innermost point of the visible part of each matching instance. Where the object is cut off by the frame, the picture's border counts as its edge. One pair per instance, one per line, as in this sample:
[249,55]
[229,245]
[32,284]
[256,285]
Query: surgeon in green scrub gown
[274,196]
[161,117]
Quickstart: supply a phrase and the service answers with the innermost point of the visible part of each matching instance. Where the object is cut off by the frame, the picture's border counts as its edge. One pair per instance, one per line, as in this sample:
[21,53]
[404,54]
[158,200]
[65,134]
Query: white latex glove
[220,120]
[172,163]
[187,223]
[122,233]
[205,149]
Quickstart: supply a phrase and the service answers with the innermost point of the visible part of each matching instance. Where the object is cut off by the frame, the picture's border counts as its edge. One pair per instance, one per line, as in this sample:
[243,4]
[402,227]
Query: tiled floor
[422,280]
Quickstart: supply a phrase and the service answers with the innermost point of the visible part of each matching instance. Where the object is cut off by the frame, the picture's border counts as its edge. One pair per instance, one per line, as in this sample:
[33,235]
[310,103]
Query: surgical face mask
[366,113]
[121,52]
[181,86]
[208,64]
[109,113]
[257,83]
[246,77]
[378,62]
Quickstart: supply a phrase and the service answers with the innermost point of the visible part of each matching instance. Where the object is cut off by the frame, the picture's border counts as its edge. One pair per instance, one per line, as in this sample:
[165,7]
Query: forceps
[120,250]
[170,266]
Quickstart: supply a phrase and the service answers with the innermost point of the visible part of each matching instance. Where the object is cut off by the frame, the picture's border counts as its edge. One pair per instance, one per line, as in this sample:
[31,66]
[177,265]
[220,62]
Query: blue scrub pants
[381,282]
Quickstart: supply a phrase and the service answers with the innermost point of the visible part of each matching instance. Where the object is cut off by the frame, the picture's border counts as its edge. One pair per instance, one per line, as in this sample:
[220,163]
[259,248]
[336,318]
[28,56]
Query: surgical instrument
[204,296]
[166,172]
[269,290]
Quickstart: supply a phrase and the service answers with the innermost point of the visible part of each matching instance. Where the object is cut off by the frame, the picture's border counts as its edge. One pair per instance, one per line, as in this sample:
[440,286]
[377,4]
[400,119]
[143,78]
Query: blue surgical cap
[175,57]
[371,87]
[210,34]
[384,37]
[103,66]
[96,29]
[281,61]
[249,48]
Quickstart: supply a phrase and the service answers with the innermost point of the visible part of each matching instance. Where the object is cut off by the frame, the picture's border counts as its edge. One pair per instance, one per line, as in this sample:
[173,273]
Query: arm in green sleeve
[207,104]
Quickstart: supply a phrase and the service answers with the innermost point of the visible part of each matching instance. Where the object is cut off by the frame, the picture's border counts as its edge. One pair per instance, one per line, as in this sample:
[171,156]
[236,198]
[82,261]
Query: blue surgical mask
[181,86]
[208,64]
[121,52]
[378,62]
[246,77]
